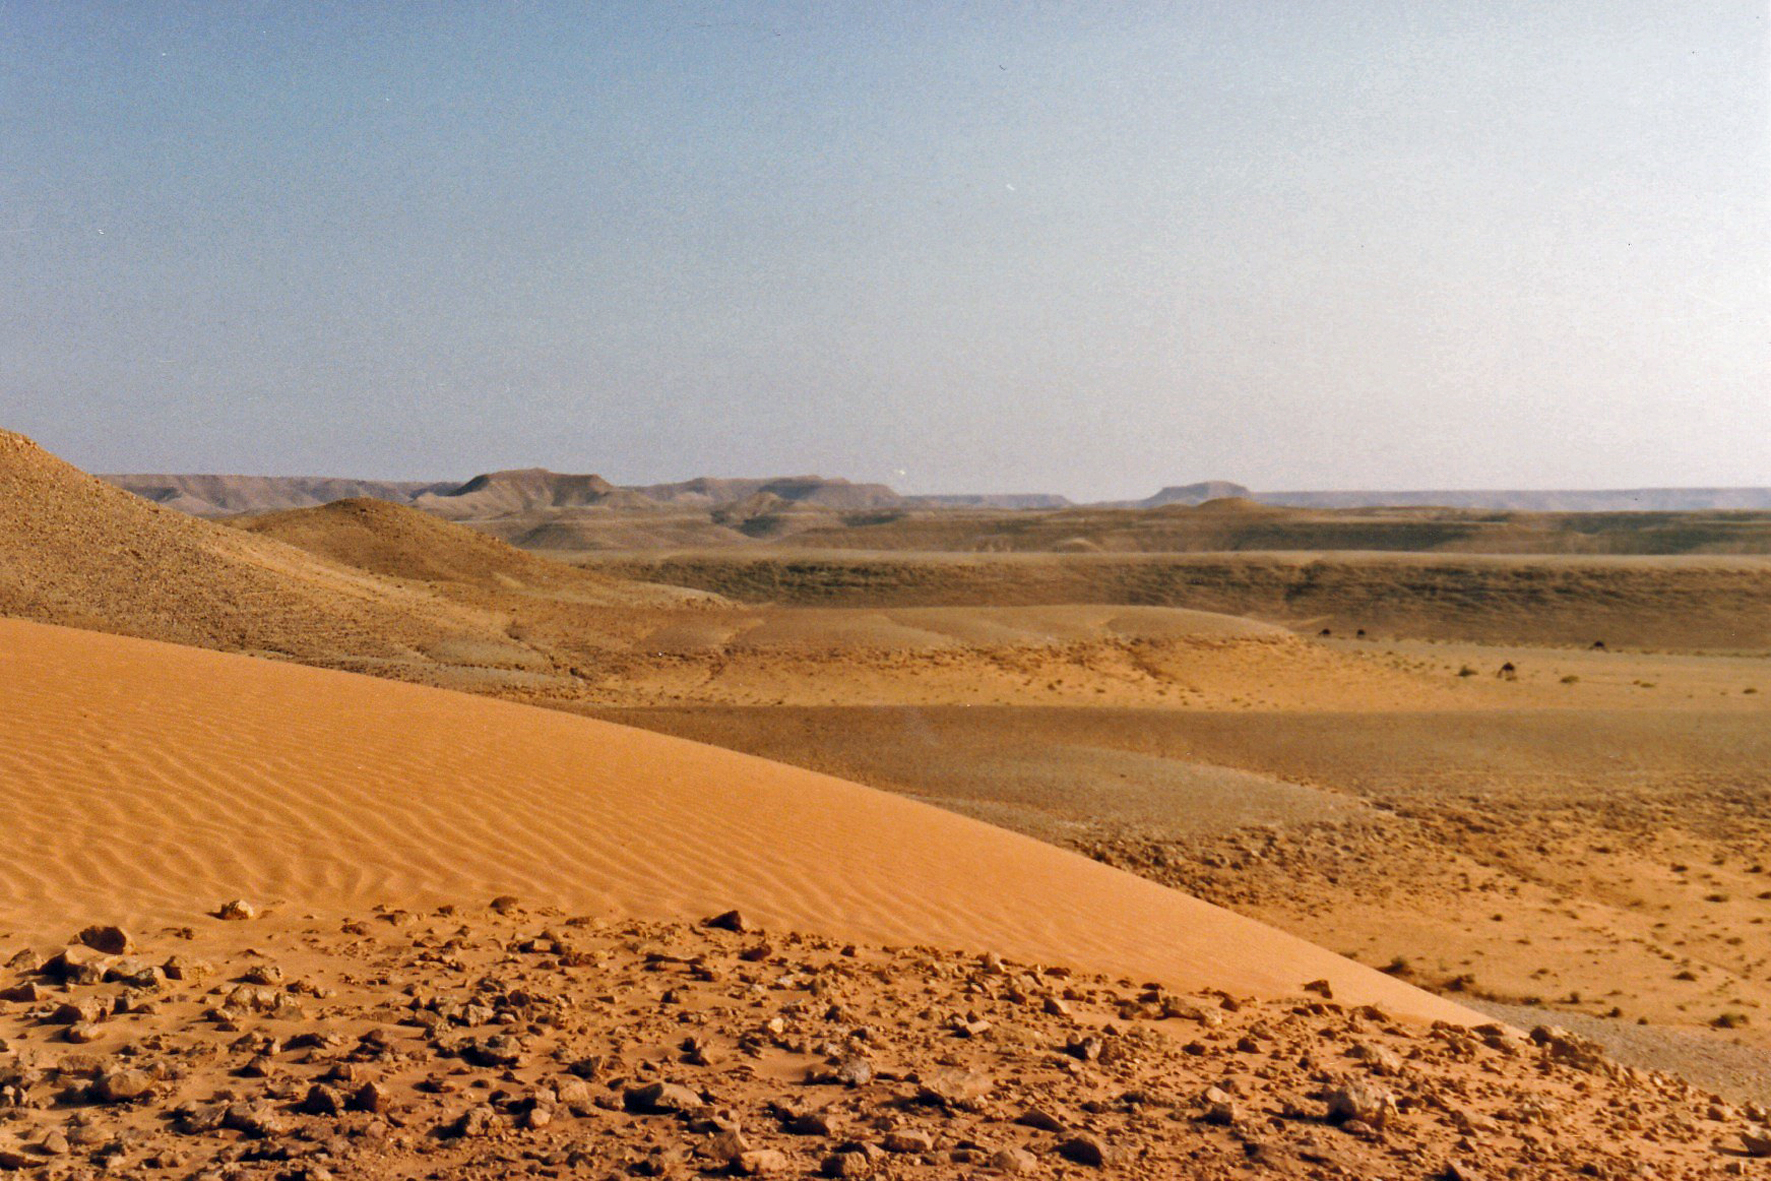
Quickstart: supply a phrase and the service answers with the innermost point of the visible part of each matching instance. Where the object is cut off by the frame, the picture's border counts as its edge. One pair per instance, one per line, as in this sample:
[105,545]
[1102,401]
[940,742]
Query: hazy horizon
[953,249]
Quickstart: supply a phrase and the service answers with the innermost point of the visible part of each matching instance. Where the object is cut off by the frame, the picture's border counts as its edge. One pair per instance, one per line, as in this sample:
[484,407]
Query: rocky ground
[496,1041]
[1642,906]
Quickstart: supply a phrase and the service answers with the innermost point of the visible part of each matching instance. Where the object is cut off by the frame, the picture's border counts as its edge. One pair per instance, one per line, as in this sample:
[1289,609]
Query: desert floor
[1425,763]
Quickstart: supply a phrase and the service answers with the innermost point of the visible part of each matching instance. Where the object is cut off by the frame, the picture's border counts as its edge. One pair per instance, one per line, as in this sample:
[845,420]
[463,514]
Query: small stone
[730,920]
[811,1123]
[1084,1150]
[576,1096]
[854,1072]
[726,1146]
[956,1088]
[909,1141]
[1755,1144]
[1364,1102]
[77,965]
[321,1100]
[180,967]
[258,1121]
[237,911]
[761,1160]
[846,1164]
[1381,1059]
[661,1099]
[110,940]
[1015,1161]
[88,1010]
[475,1121]
[27,993]
[371,1097]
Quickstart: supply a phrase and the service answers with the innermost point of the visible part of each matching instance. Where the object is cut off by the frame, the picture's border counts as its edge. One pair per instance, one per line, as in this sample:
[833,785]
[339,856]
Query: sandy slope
[399,542]
[140,779]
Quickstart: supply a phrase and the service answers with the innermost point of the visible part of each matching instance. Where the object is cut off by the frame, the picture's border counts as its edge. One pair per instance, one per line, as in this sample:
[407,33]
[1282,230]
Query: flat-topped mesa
[1194,493]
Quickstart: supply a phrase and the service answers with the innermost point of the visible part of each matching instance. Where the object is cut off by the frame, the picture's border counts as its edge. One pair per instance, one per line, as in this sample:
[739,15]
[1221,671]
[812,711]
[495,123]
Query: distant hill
[709,492]
[1617,500]
[1008,500]
[221,496]
[502,494]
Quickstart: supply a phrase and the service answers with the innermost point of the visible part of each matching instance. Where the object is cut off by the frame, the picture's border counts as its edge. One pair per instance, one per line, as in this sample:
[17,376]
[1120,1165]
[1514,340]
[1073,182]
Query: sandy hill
[131,770]
[401,542]
[220,496]
[76,550]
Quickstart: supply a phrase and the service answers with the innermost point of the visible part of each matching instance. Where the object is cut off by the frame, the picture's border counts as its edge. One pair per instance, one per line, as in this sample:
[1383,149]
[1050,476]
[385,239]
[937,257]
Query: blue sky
[1090,249]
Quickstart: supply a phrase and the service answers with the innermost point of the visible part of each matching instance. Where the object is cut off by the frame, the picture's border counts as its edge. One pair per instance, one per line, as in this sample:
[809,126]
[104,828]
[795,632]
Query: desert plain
[532,826]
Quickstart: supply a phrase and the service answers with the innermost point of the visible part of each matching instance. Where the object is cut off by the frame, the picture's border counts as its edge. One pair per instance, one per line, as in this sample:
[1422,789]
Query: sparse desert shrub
[1466,671]
[1398,966]
[1729,1020]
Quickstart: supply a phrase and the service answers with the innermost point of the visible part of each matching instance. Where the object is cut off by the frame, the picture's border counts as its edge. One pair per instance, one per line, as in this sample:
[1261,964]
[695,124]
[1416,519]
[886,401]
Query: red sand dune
[143,781]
